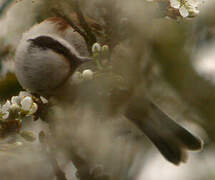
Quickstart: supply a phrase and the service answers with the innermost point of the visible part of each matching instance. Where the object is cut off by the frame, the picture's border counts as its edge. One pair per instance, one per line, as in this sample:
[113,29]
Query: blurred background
[177,71]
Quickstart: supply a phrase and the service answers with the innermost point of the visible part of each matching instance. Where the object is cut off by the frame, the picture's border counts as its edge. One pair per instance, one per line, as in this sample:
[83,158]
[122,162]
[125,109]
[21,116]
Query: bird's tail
[171,139]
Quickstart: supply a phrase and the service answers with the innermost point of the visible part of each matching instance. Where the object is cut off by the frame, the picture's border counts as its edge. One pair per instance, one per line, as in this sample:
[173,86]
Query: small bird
[50,49]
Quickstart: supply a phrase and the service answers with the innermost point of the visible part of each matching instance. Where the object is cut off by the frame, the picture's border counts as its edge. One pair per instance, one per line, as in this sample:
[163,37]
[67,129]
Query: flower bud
[76,77]
[105,50]
[14,107]
[96,48]
[87,74]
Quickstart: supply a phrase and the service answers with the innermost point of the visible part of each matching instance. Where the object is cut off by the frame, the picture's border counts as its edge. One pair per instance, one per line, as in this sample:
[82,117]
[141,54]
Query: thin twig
[83,23]
[111,17]
[76,28]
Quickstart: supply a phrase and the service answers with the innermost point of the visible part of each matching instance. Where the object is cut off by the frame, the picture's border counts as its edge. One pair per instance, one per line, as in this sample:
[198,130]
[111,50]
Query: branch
[76,28]
[90,36]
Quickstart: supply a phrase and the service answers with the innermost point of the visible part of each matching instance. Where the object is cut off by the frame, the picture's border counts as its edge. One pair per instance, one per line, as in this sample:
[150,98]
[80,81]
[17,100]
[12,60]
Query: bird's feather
[171,139]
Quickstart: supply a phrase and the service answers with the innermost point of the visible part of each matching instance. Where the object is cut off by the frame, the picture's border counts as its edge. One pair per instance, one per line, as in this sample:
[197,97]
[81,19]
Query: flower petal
[6,106]
[33,109]
[175,4]
[23,94]
[183,11]
[6,115]
[26,103]
[44,100]
[15,100]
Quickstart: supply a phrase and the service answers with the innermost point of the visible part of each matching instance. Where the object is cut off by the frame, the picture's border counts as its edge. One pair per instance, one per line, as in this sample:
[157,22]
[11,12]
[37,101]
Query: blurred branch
[111,15]
[87,34]
[75,27]
[90,36]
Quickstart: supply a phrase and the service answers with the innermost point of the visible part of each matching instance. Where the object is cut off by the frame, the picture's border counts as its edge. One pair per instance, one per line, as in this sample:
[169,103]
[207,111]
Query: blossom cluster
[99,53]
[15,110]
[19,106]
[186,8]
[97,48]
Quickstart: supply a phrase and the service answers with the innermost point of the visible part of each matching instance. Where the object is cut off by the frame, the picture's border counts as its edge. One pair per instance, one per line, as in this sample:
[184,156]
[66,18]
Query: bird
[48,54]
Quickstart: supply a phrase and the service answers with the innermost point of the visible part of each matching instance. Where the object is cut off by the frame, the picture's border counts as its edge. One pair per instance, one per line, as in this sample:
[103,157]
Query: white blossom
[5,115]
[194,3]
[16,100]
[44,100]
[186,7]
[6,106]
[183,11]
[194,11]
[175,4]
[23,94]
[20,105]
[14,107]
[26,103]
[33,109]
[87,74]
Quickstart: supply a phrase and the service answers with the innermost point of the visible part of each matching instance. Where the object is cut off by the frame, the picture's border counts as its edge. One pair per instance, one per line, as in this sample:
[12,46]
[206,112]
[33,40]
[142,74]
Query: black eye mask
[46,42]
